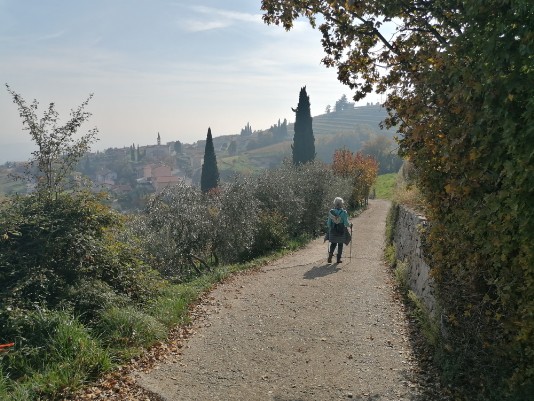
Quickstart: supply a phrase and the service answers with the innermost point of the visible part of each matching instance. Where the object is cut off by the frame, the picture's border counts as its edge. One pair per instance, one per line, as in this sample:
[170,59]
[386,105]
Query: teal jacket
[337,213]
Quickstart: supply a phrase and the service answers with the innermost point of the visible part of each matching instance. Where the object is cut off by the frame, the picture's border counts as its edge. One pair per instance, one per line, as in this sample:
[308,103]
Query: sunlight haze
[173,67]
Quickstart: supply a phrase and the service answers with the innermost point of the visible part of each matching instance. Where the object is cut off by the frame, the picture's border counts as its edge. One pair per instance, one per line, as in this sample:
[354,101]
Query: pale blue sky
[173,67]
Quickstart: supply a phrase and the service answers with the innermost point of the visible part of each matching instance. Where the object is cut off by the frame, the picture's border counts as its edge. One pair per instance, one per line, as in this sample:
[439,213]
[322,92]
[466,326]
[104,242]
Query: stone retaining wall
[407,238]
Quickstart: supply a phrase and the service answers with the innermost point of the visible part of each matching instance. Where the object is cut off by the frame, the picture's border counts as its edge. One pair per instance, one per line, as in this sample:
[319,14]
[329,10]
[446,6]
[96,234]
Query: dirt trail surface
[300,329]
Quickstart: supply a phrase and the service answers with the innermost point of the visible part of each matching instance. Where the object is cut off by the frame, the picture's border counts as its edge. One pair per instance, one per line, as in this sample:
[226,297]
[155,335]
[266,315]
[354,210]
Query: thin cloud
[229,15]
[217,18]
[51,36]
[199,26]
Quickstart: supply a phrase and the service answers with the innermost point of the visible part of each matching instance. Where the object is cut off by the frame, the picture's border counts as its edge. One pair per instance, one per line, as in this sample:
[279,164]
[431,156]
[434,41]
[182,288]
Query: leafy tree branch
[58,151]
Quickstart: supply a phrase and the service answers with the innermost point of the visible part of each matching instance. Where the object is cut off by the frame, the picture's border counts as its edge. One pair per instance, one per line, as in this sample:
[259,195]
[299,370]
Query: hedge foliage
[184,231]
[475,165]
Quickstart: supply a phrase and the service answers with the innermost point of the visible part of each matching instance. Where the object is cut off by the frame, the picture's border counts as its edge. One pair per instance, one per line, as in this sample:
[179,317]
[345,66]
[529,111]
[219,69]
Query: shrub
[49,246]
[60,253]
[300,195]
[181,226]
[272,234]
[90,297]
[57,151]
[173,228]
[234,221]
[313,186]
[276,193]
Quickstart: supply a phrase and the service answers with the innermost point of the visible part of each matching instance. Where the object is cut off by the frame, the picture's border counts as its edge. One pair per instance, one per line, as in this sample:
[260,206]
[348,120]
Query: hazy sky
[173,67]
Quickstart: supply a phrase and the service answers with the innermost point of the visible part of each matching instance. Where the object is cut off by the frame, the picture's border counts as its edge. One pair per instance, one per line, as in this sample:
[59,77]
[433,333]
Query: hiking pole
[327,244]
[350,253]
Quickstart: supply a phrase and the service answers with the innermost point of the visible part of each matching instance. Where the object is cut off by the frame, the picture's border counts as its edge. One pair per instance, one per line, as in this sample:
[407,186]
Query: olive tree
[233,214]
[173,230]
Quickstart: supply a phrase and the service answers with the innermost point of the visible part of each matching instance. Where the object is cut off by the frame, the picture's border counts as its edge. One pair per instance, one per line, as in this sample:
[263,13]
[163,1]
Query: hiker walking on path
[337,232]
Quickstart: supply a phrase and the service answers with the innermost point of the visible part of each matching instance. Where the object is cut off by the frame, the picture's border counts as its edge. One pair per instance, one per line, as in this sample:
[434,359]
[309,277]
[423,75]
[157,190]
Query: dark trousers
[339,249]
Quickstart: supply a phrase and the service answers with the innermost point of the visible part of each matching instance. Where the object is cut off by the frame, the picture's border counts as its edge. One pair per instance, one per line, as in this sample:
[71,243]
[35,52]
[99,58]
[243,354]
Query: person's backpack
[338,227]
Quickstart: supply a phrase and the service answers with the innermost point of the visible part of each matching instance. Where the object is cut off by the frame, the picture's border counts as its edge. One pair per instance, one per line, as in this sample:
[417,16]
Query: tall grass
[60,353]
[385,186]
[129,327]
[409,195]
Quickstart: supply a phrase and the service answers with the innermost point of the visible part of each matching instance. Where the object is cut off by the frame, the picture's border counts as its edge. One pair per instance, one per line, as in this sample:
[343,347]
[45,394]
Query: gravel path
[300,329]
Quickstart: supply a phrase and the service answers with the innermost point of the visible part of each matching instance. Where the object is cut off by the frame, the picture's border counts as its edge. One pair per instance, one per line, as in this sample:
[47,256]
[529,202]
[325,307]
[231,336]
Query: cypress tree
[247,131]
[303,140]
[210,173]
[178,147]
[283,129]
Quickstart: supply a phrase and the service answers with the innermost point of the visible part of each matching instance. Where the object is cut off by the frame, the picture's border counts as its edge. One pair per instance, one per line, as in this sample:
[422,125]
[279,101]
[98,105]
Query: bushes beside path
[85,289]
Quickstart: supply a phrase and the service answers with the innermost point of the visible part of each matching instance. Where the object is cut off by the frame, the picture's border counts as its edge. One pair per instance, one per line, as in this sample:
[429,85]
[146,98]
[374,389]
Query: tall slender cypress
[303,140]
[210,173]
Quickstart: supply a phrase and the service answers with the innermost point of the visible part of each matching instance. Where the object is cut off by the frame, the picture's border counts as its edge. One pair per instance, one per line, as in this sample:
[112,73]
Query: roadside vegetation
[85,288]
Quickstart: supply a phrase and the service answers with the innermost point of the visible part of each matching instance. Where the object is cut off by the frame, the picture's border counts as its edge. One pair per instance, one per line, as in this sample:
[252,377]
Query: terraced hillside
[346,129]
[350,120]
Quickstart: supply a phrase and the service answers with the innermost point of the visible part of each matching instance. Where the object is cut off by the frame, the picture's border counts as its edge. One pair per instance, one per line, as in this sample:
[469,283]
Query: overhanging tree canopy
[458,77]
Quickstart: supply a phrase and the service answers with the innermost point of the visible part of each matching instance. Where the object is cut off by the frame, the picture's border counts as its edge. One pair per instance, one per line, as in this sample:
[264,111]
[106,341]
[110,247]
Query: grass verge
[384,186]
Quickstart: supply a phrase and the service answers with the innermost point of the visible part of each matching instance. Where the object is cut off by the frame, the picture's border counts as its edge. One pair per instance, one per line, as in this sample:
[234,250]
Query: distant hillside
[247,154]
[349,121]
[346,129]
[16,152]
